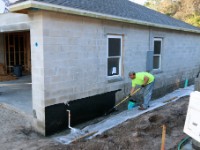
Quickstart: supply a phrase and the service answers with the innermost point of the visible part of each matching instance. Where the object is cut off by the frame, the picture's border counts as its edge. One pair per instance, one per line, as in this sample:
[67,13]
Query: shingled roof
[123,9]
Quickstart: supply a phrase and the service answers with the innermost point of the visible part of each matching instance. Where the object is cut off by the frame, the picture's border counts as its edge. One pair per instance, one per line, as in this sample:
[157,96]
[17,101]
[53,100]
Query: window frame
[120,57]
[158,55]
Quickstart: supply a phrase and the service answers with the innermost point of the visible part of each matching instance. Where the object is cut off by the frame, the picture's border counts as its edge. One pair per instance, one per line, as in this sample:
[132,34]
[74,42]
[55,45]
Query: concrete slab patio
[17,93]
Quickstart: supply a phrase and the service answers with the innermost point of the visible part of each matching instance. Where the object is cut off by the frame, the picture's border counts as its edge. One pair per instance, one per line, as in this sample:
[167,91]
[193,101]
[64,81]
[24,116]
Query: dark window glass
[157,47]
[156,62]
[114,47]
[113,66]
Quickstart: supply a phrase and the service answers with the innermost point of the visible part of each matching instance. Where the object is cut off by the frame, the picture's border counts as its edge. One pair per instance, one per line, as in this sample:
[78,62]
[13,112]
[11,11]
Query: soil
[141,133]
[7,78]
[16,132]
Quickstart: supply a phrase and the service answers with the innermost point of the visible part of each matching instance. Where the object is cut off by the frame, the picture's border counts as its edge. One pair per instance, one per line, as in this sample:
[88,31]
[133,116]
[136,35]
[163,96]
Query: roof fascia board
[68,10]
[20,6]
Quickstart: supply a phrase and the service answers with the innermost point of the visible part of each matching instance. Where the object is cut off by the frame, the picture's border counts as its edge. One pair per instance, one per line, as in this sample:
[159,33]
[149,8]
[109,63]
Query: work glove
[143,85]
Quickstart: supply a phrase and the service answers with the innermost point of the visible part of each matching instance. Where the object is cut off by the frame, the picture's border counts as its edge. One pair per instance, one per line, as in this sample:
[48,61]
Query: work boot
[141,108]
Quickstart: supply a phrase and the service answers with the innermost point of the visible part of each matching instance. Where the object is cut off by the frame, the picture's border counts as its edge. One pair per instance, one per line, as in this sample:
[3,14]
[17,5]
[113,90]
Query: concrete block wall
[37,62]
[75,56]
[2,48]
[71,58]
[180,53]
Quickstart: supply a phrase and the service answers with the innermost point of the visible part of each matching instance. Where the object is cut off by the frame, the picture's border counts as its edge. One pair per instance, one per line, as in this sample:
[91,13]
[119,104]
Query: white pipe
[69,119]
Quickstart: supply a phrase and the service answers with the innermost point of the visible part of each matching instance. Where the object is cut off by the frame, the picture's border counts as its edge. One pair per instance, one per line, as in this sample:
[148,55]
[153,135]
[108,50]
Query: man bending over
[145,80]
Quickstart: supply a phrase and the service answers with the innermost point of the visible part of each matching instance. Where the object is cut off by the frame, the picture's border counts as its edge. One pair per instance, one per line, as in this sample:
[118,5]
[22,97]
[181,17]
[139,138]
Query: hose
[182,142]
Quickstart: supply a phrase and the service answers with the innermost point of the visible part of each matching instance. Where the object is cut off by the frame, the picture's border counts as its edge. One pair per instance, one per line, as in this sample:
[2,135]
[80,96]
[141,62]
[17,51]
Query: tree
[185,10]
[153,4]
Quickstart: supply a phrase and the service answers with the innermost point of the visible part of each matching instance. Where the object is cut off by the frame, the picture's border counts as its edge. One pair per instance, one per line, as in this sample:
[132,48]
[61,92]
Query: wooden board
[2,70]
[84,136]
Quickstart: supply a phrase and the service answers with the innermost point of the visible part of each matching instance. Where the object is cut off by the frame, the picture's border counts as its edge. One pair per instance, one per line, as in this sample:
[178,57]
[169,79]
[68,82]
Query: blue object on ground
[186,83]
[131,105]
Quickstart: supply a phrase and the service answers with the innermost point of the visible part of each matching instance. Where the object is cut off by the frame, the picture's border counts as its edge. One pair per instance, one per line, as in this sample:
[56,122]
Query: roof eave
[56,8]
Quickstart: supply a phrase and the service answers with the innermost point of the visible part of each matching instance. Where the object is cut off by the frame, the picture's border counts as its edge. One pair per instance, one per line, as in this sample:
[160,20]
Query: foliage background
[185,10]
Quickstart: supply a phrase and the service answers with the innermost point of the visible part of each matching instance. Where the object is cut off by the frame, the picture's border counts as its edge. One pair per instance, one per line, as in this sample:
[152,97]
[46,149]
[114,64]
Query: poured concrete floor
[17,93]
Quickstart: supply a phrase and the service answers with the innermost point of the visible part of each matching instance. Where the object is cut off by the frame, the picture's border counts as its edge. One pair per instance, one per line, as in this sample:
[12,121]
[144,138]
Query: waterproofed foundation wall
[69,67]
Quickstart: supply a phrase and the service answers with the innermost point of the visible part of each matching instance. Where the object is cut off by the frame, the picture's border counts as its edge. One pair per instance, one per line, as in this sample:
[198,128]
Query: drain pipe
[69,119]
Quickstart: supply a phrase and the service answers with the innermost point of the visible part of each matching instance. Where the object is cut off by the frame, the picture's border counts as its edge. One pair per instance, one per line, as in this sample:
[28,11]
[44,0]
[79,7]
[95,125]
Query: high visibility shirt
[139,78]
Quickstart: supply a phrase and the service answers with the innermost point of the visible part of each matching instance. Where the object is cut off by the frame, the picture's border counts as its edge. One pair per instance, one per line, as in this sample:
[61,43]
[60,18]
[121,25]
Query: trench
[100,125]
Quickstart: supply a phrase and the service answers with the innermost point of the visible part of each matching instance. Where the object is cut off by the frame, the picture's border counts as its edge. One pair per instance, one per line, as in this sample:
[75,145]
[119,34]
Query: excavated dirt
[7,78]
[141,133]
[16,132]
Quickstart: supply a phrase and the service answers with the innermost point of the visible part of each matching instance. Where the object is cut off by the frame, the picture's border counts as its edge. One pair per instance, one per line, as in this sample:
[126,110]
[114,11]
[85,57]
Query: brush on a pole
[122,101]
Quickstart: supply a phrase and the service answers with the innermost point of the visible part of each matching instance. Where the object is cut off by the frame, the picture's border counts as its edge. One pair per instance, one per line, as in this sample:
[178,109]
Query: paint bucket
[131,105]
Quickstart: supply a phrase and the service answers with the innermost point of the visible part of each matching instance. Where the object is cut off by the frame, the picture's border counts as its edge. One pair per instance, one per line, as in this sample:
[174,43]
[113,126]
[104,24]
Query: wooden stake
[84,136]
[171,99]
[163,137]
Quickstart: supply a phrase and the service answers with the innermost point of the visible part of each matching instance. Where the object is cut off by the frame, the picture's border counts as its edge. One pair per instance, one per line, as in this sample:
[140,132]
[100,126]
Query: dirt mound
[16,131]
[141,133]
[7,78]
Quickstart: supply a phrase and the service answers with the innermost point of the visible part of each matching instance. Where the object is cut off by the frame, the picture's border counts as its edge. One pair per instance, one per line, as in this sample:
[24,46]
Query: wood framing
[17,50]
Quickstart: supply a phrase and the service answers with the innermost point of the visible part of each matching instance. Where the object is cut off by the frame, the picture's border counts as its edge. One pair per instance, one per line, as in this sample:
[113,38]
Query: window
[114,55]
[157,53]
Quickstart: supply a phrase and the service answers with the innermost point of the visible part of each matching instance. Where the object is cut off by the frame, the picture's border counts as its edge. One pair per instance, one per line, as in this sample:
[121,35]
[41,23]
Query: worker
[146,81]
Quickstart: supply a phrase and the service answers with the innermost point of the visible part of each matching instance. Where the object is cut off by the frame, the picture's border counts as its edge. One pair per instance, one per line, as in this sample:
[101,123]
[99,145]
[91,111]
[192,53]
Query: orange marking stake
[163,137]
